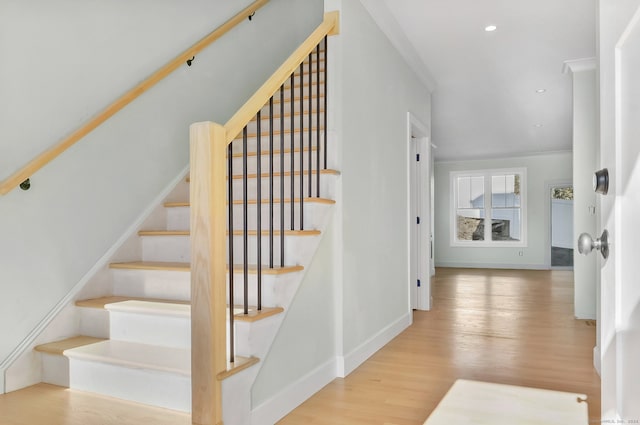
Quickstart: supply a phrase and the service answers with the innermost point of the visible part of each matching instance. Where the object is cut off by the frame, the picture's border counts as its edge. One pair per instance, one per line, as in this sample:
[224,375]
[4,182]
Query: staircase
[135,339]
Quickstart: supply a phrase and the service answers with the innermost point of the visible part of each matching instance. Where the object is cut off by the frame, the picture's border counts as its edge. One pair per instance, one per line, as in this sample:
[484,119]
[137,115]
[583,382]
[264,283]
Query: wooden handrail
[50,154]
[329,26]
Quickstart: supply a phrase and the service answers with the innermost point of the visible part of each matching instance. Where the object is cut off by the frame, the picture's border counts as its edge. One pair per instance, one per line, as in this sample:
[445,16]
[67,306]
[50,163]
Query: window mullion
[488,202]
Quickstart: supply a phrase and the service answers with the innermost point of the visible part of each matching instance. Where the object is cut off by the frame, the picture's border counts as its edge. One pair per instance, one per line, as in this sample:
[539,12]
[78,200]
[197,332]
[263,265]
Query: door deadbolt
[601,181]
[586,244]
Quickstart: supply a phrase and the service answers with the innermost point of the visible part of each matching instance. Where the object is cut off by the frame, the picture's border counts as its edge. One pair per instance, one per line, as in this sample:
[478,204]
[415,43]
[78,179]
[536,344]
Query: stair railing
[212,199]
[22,176]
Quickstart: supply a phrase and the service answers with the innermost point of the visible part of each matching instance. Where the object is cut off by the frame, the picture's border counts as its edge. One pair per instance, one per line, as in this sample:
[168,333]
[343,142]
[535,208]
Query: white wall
[62,62]
[540,170]
[362,263]
[585,146]
[378,88]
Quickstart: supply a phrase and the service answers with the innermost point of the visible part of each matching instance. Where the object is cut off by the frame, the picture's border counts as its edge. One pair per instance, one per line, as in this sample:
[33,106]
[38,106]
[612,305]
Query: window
[488,208]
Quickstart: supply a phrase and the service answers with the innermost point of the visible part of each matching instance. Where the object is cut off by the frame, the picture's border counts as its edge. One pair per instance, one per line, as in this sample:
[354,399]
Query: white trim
[387,23]
[347,364]
[578,65]
[279,405]
[597,360]
[454,264]
[27,342]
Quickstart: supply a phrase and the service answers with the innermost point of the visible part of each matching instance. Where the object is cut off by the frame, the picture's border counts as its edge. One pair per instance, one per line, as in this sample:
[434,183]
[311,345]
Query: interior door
[619,324]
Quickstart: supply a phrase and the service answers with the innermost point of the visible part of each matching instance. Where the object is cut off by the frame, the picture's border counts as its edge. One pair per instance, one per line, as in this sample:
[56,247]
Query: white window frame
[487,174]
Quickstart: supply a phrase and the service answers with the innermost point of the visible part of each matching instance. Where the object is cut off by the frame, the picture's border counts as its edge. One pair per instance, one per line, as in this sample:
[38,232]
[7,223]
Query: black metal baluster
[245,218]
[271,182]
[318,120]
[230,213]
[259,209]
[310,123]
[326,62]
[292,135]
[282,176]
[301,147]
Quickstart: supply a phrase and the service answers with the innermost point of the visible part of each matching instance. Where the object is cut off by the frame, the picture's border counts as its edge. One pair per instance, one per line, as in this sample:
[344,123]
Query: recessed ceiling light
[490,28]
[537,125]
[541,90]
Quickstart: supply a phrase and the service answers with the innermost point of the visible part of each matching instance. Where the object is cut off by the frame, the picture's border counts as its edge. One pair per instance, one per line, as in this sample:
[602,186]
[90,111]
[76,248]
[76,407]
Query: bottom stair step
[159,376]
[148,374]
[55,367]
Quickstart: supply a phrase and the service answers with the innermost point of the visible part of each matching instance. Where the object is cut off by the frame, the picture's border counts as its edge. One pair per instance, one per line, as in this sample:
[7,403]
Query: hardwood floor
[45,404]
[503,326]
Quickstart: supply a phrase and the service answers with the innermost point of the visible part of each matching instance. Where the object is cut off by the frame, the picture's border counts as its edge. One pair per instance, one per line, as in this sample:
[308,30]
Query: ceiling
[485,102]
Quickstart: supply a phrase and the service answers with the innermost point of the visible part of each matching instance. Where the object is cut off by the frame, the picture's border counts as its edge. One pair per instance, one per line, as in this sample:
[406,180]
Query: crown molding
[578,65]
[392,29]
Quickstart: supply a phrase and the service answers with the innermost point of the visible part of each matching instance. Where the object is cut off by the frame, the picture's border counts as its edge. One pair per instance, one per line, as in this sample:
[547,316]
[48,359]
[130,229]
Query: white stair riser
[141,283]
[55,370]
[162,389]
[265,160]
[152,329]
[252,141]
[327,187]
[94,322]
[253,339]
[275,289]
[178,218]
[252,127]
[305,90]
[177,248]
[172,285]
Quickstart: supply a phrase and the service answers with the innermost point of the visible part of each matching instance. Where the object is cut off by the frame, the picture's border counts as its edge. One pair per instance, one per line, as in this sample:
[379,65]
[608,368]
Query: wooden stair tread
[99,303]
[327,171]
[264,202]
[287,131]
[58,347]
[276,116]
[240,364]
[276,152]
[235,232]
[185,267]
[253,316]
[136,355]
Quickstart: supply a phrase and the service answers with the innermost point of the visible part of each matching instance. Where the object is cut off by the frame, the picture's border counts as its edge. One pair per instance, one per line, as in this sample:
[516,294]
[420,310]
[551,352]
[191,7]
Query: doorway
[419,229]
[562,240]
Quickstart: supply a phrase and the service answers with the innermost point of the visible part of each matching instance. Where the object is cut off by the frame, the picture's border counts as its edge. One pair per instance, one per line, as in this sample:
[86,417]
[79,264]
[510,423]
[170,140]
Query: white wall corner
[347,364]
[392,29]
[278,406]
[578,65]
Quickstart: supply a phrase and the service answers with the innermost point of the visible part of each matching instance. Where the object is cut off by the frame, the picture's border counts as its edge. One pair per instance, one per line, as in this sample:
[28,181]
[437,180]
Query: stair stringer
[257,339]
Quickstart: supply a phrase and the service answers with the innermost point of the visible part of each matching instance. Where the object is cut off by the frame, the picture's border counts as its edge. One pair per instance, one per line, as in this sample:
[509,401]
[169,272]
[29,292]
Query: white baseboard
[492,266]
[348,363]
[275,408]
[28,342]
[597,362]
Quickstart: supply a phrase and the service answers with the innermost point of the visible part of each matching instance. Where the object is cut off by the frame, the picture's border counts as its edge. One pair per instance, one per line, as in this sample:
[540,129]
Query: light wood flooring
[503,326]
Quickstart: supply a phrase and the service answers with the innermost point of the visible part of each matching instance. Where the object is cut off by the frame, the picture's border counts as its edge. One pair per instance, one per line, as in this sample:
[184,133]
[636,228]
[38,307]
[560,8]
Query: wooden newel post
[208,270]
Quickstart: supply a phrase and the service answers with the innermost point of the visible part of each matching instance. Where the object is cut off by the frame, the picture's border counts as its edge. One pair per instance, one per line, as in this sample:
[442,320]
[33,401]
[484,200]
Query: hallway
[505,326]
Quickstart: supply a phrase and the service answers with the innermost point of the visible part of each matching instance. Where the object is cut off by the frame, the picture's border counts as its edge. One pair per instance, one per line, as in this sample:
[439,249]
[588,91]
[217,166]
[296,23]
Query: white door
[619,324]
